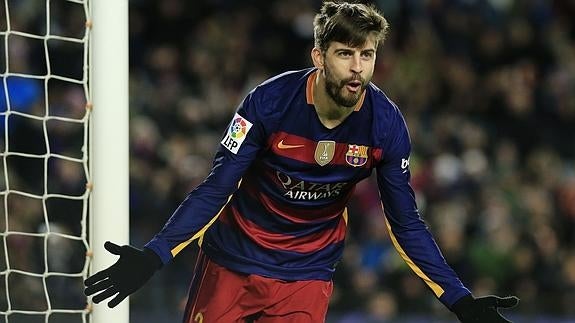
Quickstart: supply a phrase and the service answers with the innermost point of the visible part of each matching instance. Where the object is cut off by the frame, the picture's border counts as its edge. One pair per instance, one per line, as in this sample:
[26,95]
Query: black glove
[482,309]
[134,268]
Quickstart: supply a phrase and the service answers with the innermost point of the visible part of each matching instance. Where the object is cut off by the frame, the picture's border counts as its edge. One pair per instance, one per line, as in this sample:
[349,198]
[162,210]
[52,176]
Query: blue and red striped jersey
[274,203]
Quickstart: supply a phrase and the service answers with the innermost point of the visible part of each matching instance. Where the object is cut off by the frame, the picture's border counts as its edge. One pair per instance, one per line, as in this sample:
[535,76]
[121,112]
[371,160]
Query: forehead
[369,44]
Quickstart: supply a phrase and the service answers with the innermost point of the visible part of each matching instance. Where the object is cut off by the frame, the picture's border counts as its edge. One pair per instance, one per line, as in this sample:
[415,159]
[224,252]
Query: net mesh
[44,174]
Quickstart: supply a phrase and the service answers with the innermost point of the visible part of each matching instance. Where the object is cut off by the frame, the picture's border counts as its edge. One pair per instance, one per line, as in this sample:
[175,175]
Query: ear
[317,58]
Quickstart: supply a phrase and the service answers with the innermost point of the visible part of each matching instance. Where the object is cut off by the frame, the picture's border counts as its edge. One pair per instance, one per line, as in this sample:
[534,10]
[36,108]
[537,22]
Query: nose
[356,65]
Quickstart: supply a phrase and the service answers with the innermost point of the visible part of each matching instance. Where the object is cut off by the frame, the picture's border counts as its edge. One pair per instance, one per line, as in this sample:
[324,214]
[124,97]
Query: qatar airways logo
[302,190]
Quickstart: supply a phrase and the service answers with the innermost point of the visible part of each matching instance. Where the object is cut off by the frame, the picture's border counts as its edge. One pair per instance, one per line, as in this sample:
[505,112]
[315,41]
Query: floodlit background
[488,91]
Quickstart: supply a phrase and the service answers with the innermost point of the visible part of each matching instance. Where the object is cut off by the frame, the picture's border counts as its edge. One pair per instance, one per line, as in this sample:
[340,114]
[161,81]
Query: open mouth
[353,86]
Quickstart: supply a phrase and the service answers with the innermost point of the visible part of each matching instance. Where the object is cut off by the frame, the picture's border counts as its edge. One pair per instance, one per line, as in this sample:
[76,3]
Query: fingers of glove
[507,302]
[117,300]
[487,301]
[97,287]
[101,275]
[113,248]
[105,294]
[496,301]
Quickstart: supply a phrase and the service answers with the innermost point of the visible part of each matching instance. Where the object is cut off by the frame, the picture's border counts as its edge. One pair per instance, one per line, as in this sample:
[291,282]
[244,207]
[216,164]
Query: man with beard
[271,216]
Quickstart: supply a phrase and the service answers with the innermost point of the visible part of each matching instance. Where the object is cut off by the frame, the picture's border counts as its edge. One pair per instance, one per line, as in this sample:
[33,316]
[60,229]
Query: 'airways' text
[302,190]
[303,195]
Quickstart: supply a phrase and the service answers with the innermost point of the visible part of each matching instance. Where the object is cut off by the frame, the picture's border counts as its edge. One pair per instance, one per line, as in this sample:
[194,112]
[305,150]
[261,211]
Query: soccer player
[271,216]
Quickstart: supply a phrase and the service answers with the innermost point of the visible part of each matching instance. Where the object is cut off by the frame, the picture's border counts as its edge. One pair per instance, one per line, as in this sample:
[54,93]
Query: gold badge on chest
[324,152]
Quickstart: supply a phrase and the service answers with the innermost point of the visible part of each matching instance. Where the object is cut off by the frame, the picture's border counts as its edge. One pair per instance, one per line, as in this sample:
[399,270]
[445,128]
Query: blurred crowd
[42,175]
[488,91]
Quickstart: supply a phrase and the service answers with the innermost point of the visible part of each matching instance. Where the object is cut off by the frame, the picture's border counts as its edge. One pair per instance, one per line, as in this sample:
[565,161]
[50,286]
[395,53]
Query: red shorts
[220,295]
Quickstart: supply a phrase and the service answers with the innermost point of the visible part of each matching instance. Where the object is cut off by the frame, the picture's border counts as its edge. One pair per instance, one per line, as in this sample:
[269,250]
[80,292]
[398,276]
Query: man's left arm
[413,240]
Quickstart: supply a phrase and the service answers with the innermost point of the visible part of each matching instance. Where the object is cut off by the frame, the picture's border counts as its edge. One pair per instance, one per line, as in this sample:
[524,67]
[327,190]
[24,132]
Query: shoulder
[286,78]
[284,85]
[273,95]
[387,116]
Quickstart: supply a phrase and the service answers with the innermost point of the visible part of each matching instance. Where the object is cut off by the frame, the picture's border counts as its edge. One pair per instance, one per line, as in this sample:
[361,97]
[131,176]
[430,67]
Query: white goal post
[64,179]
[109,145]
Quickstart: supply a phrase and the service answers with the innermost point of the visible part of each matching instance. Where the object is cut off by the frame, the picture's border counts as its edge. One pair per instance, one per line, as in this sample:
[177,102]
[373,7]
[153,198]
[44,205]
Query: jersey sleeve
[239,146]
[408,232]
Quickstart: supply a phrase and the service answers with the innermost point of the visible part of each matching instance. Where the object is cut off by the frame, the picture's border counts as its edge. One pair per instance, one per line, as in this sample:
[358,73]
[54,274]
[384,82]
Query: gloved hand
[134,268]
[482,309]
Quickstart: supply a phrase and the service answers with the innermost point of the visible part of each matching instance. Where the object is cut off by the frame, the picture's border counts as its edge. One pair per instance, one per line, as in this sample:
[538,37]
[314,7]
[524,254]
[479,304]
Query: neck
[329,112]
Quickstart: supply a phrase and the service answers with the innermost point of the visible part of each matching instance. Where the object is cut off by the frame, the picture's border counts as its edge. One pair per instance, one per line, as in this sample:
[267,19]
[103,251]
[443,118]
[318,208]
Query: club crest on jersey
[356,155]
[324,152]
[236,133]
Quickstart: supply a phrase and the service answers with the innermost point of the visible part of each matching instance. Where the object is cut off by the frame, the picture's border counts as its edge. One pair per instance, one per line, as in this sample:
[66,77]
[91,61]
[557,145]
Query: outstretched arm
[413,240]
[239,147]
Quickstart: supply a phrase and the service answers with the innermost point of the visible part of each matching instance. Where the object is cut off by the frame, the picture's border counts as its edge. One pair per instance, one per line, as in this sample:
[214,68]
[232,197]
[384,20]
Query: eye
[344,53]
[368,54]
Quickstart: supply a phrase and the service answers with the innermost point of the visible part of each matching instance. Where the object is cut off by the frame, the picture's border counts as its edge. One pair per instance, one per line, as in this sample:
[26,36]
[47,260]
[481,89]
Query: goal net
[44,176]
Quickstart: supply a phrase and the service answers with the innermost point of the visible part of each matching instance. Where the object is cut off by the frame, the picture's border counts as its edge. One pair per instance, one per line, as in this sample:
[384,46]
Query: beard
[338,93]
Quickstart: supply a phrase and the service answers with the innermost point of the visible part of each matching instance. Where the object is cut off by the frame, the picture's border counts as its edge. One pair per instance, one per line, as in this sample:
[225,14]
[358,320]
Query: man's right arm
[239,147]
[201,206]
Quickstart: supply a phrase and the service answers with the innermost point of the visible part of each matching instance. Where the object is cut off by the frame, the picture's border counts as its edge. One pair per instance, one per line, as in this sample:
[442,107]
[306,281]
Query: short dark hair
[348,23]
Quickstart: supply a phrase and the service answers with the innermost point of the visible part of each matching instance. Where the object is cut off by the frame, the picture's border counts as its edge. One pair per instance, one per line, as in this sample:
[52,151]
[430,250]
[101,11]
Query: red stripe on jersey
[293,147]
[376,154]
[277,241]
[303,149]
